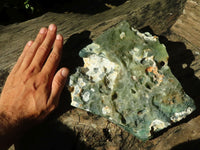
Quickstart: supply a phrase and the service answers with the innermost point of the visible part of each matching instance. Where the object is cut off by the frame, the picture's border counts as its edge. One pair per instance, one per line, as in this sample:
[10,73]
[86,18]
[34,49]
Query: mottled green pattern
[127,80]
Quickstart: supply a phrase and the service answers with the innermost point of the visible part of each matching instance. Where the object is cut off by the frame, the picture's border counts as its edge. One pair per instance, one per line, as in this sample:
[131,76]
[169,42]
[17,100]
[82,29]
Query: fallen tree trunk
[71,128]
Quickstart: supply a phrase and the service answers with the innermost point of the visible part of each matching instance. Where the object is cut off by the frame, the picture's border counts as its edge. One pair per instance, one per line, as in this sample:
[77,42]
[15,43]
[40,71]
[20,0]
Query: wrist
[4,124]
[5,131]
[9,130]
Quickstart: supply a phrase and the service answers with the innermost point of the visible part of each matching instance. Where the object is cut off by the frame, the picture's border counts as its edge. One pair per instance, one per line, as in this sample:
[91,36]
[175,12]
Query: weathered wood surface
[70,128]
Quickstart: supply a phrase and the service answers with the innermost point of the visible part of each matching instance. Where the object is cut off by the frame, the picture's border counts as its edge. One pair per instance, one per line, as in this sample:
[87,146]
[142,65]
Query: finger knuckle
[58,82]
[54,56]
[43,78]
[30,72]
[26,77]
[39,39]
[34,68]
[30,52]
[43,48]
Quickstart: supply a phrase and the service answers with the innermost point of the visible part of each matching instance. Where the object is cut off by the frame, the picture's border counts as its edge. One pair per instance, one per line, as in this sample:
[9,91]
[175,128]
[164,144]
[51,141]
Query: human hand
[33,87]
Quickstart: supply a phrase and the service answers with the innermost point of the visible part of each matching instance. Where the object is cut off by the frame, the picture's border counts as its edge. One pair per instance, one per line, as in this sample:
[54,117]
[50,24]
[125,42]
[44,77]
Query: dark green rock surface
[126,79]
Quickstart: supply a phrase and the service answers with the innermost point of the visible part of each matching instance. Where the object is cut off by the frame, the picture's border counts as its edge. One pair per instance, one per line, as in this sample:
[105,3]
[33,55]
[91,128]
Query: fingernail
[42,30]
[51,27]
[58,37]
[64,73]
[30,43]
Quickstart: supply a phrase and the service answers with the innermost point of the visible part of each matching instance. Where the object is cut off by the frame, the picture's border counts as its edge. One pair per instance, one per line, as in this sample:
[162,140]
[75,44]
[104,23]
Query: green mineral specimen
[126,79]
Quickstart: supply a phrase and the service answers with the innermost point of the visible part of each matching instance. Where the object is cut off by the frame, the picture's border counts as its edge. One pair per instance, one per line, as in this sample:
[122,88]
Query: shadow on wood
[3,76]
[51,136]
[80,6]
[10,14]
[70,57]
[190,145]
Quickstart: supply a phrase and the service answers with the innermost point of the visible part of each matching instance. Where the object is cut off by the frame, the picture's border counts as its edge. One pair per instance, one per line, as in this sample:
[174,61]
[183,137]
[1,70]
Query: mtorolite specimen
[126,79]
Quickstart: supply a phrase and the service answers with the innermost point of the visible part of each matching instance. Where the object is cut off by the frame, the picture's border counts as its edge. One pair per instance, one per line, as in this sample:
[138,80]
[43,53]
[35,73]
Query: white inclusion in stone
[136,58]
[146,95]
[180,115]
[157,125]
[133,29]
[71,82]
[147,36]
[151,59]
[92,47]
[74,94]
[86,96]
[145,54]
[134,78]
[135,49]
[105,68]
[110,118]
[197,53]
[111,77]
[74,103]
[134,53]
[106,110]
[81,83]
[122,35]
[87,109]
[77,90]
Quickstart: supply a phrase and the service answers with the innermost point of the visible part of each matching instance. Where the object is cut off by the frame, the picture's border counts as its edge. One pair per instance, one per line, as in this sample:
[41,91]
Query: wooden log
[71,128]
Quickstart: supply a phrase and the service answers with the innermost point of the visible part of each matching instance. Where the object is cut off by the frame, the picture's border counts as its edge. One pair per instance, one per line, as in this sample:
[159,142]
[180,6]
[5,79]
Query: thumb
[58,84]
